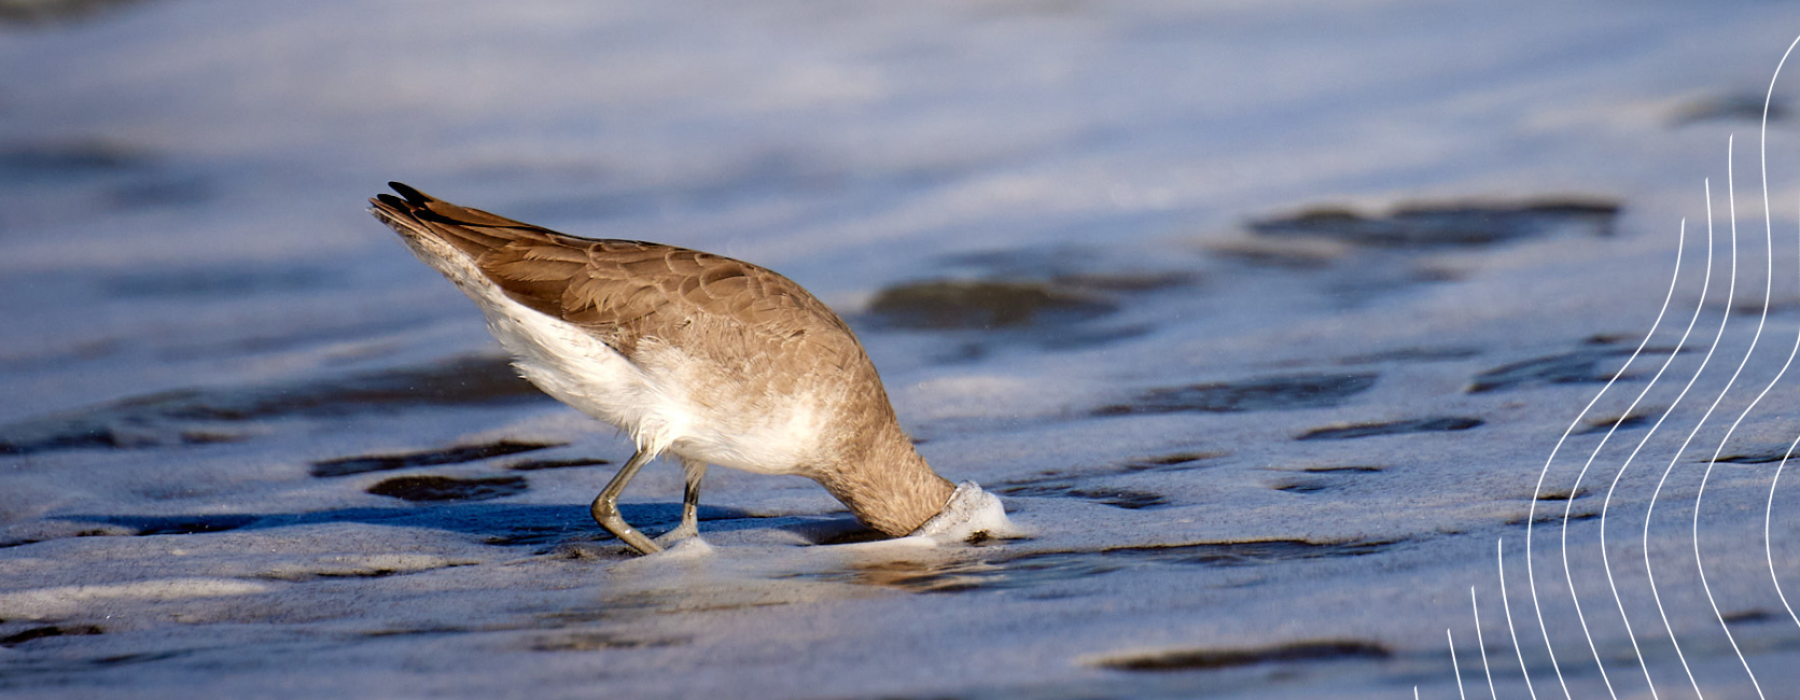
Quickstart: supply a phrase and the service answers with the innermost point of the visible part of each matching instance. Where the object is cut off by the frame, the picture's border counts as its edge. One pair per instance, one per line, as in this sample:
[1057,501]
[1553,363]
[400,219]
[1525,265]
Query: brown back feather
[628,290]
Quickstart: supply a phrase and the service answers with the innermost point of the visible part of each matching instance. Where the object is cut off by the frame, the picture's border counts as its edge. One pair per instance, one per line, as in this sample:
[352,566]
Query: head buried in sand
[710,359]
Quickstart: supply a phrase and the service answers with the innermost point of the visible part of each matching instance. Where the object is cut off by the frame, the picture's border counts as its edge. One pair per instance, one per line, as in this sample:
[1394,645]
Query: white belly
[666,401]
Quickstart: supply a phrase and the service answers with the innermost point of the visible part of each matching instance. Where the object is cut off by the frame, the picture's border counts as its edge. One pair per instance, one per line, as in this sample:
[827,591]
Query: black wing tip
[413,196]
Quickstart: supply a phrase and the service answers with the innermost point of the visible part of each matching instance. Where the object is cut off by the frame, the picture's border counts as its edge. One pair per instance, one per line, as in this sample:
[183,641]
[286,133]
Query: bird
[711,360]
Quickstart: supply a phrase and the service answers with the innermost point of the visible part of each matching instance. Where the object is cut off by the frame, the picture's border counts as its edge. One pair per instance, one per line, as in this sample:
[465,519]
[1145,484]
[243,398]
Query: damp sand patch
[979,568]
[174,417]
[1278,393]
[449,488]
[953,304]
[1227,657]
[1446,225]
[1019,298]
[346,466]
[360,566]
[1581,366]
[1437,424]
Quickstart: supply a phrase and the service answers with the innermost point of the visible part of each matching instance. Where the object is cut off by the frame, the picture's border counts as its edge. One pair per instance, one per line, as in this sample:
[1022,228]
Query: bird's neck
[889,487]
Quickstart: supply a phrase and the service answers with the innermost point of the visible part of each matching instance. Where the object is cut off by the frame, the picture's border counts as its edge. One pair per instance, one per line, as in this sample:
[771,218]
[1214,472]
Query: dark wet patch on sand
[48,11]
[951,304]
[1739,107]
[937,576]
[413,632]
[72,158]
[1637,419]
[347,466]
[1446,225]
[58,668]
[24,636]
[449,488]
[1291,254]
[183,525]
[1081,483]
[532,465]
[163,419]
[599,641]
[530,535]
[1058,478]
[1217,658]
[983,572]
[1411,355]
[314,575]
[21,439]
[1548,518]
[1748,616]
[1577,367]
[1067,266]
[353,571]
[1252,553]
[1561,495]
[1765,454]
[1054,300]
[1129,499]
[132,526]
[1173,462]
[1292,392]
[1415,425]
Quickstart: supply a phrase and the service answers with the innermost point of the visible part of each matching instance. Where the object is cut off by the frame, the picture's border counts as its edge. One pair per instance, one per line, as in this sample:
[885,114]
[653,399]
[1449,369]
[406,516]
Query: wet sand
[1263,320]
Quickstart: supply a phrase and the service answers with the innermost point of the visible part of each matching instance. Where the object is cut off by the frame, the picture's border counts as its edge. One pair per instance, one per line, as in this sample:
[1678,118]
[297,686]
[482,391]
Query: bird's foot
[681,532]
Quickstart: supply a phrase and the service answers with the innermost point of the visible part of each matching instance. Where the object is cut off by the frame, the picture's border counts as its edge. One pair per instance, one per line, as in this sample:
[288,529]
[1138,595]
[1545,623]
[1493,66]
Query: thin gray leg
[690,504]
[606,505]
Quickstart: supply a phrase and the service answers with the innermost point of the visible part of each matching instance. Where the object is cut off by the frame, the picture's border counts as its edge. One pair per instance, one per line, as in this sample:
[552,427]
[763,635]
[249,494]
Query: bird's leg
[690,504]
[606,505]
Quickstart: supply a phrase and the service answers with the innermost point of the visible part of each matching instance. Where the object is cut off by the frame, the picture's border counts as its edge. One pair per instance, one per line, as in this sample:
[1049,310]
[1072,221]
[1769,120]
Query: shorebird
[706,358]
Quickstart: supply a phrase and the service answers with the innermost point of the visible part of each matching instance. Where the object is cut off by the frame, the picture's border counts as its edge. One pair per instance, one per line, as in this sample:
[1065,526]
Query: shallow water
[1263,320]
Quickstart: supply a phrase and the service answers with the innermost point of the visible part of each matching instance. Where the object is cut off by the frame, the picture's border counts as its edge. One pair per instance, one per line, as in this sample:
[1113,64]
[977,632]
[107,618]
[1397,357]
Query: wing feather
[628,291]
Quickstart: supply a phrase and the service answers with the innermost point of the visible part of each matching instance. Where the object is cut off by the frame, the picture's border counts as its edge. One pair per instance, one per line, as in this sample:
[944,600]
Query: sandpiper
[709,359]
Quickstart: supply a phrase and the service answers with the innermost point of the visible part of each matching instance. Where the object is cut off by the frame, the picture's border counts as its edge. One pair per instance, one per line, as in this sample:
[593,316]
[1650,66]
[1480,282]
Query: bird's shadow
[496,524]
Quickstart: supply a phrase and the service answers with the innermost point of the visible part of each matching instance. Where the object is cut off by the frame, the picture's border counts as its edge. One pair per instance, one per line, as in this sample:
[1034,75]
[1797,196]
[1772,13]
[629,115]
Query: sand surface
[1277,326]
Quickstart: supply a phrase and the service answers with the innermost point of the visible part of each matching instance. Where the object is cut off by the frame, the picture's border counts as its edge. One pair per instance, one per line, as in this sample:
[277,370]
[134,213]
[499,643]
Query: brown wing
[629,290]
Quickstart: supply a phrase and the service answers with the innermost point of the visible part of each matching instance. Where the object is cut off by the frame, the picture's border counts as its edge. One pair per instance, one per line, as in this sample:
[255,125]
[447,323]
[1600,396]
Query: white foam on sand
[971,514]
[67,601]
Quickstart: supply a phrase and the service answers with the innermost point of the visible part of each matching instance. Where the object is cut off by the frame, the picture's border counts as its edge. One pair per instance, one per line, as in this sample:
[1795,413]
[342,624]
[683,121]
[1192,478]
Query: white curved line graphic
[1606,506]
[1768,288]
[1454,665]
[1500,557]
[1724,318]
[1481,644]
[1769,511]
[1531,519]
[1569,506]
[1769,514]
